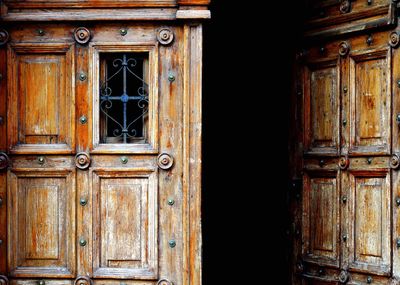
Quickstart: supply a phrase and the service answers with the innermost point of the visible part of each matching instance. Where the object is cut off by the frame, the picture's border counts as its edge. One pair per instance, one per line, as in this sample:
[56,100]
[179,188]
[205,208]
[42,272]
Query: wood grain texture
[321,218]
[15,4]
[369,222]
[140,14]
[42,230]
[363,205]
[326,20]
[192,122]
[126,221]
[370,102]
[125,224]
[41,87]
[321,99]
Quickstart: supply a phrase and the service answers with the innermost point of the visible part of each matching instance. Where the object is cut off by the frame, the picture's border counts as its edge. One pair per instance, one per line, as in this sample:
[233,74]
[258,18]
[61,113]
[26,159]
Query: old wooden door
[348,100]
[95,182]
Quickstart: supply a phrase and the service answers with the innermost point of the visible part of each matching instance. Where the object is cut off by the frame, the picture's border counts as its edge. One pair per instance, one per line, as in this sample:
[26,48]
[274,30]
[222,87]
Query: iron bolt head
[171,78]
[172,243]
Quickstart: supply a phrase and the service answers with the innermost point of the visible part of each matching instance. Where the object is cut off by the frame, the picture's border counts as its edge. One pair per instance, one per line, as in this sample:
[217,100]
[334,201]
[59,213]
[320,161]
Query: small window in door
[124,97]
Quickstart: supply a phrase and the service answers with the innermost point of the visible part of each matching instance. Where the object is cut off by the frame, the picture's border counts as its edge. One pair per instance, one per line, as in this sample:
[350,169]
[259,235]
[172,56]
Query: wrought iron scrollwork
[124,129]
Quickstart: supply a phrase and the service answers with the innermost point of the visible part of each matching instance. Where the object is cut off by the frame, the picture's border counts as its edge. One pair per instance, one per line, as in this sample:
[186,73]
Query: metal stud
[398,83]
[344,237]
[40,159]
[1,202]
[369,2]
[344,199]
[1,120]
[83,120]
[398,242]
[369,279]
[124,160]
[171,201]
[172,243]
[83,201]
[82,242]
[397,201]
[345,89]
[1,241]
[41,282]
[321,163]
[123,32]
[40,32]
[369,40]
[171,78]
[344,122]
[1,76]
[369,160]
[82,76]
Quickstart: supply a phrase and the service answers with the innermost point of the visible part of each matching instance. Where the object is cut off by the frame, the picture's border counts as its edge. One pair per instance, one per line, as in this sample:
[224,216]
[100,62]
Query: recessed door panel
[125,224]
[41,223]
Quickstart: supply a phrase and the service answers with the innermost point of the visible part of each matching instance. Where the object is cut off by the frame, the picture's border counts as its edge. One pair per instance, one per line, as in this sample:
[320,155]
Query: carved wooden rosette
[165,36]
[165,161]
[4,37]
[3,280]
[344,48]
[344,276]
[83,280]
[394,39]
[344,162]
[4,161]
[82,160]
[82,35]
[395,161]
[345,6]
[164,282]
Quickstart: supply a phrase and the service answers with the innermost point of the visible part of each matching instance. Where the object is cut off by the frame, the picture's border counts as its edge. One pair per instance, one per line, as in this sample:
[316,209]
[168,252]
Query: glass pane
[123,97]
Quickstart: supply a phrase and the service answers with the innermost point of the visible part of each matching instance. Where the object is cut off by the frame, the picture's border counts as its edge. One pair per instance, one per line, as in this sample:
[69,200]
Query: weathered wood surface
[345,103]
[125,229]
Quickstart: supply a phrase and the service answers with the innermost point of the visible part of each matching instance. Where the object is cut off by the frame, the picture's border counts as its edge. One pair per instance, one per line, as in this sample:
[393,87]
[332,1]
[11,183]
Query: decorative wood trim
[192,116]
[4,37]
[92,15]
[193,14]
[16,4]
[82,35]
[165,36]
[344,48]
[194,2]
[394,39]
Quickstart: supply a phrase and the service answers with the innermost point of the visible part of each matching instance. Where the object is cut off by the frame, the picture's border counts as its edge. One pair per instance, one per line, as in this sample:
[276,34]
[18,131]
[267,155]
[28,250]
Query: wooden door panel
[321,218]
[41,98]
[322,106]
[125,224]
[369,222]
[41,223]
[370,96]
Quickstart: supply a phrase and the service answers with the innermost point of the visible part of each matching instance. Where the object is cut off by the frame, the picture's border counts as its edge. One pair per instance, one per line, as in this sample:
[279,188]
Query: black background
[248,51]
